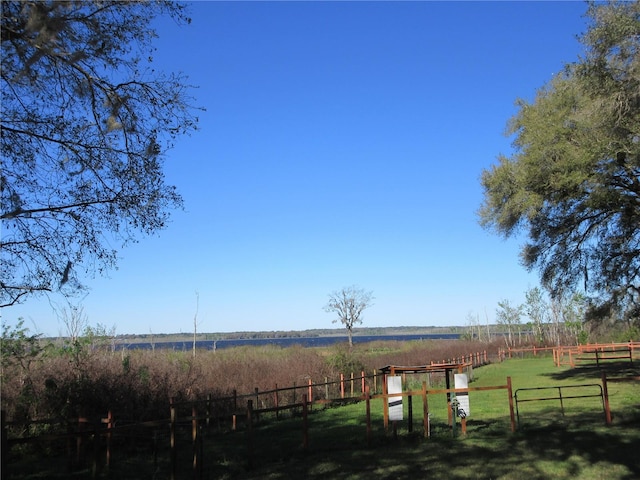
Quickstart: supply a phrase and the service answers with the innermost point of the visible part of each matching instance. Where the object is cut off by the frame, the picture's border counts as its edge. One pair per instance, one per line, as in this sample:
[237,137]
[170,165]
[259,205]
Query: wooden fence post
[95,444]
[109,427]
[310,394]
[352,389]
[410,408]
[605,394]
[512,415]
[342,385]
[250,432]
[155,450]
[305,424]
[195,439]
[326,388]
[69,448]
[80,428]
[425,411]
[208,420]
[257,404]
[367,397]
[275,401]
[385,402]
[174,455]
[4,444]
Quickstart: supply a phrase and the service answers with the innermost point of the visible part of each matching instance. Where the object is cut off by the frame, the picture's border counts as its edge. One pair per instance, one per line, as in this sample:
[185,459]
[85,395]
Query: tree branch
[25,213]
[25,291]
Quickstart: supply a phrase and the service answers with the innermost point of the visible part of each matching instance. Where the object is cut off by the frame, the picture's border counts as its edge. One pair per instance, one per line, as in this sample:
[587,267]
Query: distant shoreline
[158,338]
[305,342]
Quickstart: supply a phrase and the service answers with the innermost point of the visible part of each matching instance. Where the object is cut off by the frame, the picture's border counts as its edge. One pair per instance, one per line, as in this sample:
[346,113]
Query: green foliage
[126,364]
[509,317]
[18,347]
[572,182]
[79,347]
[19,351]
[466,336]
[631,333]
[572,310]
[77,351]
[143,375]
[345,360]
[536,309]
[100,337]
[85,122]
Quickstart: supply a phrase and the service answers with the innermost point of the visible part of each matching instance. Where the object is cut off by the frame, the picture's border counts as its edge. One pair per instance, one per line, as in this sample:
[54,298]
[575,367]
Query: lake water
[286,342]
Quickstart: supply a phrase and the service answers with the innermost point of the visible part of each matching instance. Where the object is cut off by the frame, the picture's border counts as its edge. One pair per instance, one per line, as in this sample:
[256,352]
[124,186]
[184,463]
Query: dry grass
[139,384]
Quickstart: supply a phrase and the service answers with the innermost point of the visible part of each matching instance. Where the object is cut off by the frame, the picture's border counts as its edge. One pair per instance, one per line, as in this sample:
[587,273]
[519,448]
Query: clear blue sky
[342,144]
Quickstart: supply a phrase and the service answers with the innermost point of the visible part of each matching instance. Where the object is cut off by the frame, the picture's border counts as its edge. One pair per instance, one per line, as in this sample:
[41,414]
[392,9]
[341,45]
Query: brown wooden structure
[448,368]
[594,353]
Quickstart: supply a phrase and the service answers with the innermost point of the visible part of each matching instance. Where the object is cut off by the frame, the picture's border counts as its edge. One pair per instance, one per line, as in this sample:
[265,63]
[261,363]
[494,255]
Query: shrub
[138,385]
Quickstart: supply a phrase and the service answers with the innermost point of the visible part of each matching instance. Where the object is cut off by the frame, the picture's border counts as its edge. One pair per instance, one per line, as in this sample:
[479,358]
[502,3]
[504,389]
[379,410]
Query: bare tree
[348,304]
[152,340]
[473,319]
[509,317]
[195,323]
[75,321]
[537,309]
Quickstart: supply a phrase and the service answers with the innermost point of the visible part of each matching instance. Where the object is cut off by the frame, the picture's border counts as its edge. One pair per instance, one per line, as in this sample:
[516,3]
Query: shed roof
[433,367]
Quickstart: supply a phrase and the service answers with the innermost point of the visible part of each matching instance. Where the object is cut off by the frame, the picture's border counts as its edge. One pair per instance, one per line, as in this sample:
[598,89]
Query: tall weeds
[138,385]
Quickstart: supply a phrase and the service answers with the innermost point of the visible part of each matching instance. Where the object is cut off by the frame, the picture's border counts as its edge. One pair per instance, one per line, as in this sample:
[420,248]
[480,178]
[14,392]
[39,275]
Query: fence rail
[189,418]
[85,438]
[510,352]
[560,397]
[564,355]
[594,353]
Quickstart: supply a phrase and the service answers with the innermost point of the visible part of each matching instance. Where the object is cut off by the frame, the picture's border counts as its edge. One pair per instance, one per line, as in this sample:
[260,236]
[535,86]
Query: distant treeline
[329,332]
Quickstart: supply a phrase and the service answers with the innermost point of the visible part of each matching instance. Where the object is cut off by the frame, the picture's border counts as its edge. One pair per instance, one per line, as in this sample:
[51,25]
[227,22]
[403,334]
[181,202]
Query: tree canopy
[85,123]
[572,183]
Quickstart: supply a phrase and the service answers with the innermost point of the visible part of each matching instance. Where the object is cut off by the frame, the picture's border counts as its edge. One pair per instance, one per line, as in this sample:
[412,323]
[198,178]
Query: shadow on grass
[339,450]
[489,450]
[593,372]
[547,447]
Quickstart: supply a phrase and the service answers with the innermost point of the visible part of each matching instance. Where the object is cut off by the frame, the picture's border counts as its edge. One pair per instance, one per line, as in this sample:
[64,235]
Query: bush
[138,385]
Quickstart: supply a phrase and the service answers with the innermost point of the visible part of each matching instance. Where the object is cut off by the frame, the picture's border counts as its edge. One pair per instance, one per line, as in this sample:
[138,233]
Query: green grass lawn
[547,444]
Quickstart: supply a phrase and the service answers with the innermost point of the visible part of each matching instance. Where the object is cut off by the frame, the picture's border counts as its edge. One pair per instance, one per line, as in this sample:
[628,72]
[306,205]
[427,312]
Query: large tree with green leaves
[572,184]
[86,120]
